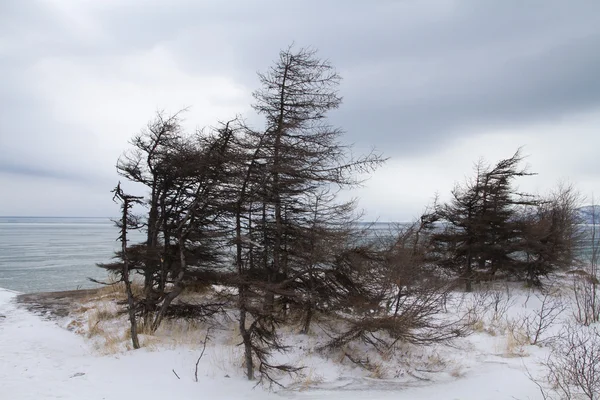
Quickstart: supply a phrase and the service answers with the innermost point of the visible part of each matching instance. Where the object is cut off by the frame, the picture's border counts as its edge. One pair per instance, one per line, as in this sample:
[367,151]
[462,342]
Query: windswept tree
[195,213]
[489,226]
[480,221]
[269,193]
[127,222]
[551,234]
[187,212]
[290,164]
[148,163]
[391,294]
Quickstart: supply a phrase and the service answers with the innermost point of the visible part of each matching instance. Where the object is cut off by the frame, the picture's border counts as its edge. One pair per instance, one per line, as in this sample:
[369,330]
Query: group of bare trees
[489,228]
[256,210]
[264,198]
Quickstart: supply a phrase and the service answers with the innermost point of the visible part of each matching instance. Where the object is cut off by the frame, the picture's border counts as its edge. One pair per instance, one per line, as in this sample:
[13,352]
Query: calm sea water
[48,254]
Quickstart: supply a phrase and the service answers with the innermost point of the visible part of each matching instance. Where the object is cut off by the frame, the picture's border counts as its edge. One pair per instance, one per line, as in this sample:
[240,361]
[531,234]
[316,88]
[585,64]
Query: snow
[41,359]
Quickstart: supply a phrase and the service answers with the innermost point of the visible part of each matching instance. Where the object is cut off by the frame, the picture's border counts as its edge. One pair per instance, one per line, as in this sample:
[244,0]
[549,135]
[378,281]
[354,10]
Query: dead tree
[128,221]
[282,167]
[146,163]
[197,209]
[393,295]
[481,232]
[302,152]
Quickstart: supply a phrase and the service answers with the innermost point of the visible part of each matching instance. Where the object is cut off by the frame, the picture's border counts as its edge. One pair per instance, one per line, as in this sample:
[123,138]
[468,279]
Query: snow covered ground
[41,359]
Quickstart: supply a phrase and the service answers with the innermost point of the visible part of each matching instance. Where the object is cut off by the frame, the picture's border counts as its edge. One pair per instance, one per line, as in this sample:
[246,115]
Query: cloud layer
[434,84]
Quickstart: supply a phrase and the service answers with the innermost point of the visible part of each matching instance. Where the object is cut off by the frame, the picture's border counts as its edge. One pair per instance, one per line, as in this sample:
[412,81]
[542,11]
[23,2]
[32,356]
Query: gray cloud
[418,75]
[549,86]
[419,71]
[29,170]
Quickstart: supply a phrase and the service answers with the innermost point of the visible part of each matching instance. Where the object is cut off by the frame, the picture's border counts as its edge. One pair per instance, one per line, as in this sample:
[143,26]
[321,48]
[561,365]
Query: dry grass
[516,341]
[457,371]
[174,333]
[478,326]
[223,358]
[101,319]
[195,290]
[380,370]
[114,290]
[112,343]
[94,328]
[307,379]
[435,362]
[76,326]
[233,337]
[106,312]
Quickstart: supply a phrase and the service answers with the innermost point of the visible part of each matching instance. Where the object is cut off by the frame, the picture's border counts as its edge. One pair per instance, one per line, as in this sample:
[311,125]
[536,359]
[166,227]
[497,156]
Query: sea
[41,254]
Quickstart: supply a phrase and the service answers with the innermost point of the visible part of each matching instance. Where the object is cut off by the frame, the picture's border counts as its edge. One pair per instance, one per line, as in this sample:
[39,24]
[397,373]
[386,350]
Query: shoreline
[58,304]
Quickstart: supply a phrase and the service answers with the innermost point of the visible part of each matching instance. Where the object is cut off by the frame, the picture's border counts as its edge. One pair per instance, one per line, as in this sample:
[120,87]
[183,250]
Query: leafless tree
[128,221]
[574,364]
[489,227]
[398,297]
[147,164]
[285,172]
[302,151]
[543,318]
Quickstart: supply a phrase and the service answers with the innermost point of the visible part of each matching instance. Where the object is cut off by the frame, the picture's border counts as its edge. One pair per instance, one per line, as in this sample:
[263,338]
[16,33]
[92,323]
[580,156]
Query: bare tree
[395,297]
[286,171]
[489,227]
[128,221]
[574,365]
[543,318]
[147,163]
[302,152]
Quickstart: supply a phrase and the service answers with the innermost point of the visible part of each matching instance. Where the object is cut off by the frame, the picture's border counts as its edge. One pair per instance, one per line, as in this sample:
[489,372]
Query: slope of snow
[41,360]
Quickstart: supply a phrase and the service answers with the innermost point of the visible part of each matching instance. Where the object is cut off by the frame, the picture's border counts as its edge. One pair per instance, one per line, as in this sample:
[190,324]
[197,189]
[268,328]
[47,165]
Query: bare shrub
[574,365]
[501,302]
[486,307]
[586,296]
[543,318]
[515,343]
[586,283]
[414,314]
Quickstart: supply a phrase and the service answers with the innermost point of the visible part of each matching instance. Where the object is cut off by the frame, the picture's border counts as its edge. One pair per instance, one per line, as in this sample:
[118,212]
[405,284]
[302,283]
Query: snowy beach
[41,359]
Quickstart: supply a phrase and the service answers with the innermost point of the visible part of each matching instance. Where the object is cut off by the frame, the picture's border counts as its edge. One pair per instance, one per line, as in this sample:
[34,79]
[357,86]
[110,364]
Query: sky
[433,85]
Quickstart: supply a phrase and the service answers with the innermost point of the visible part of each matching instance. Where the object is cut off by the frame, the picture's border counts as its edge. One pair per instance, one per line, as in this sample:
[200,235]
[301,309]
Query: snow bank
[40,359]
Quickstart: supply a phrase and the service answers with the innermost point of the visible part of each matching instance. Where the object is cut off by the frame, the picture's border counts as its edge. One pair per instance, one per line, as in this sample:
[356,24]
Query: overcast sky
[434,85]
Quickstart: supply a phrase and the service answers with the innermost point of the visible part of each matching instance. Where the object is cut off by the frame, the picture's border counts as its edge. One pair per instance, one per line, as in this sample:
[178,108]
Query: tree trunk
[125,276]
[242,296]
